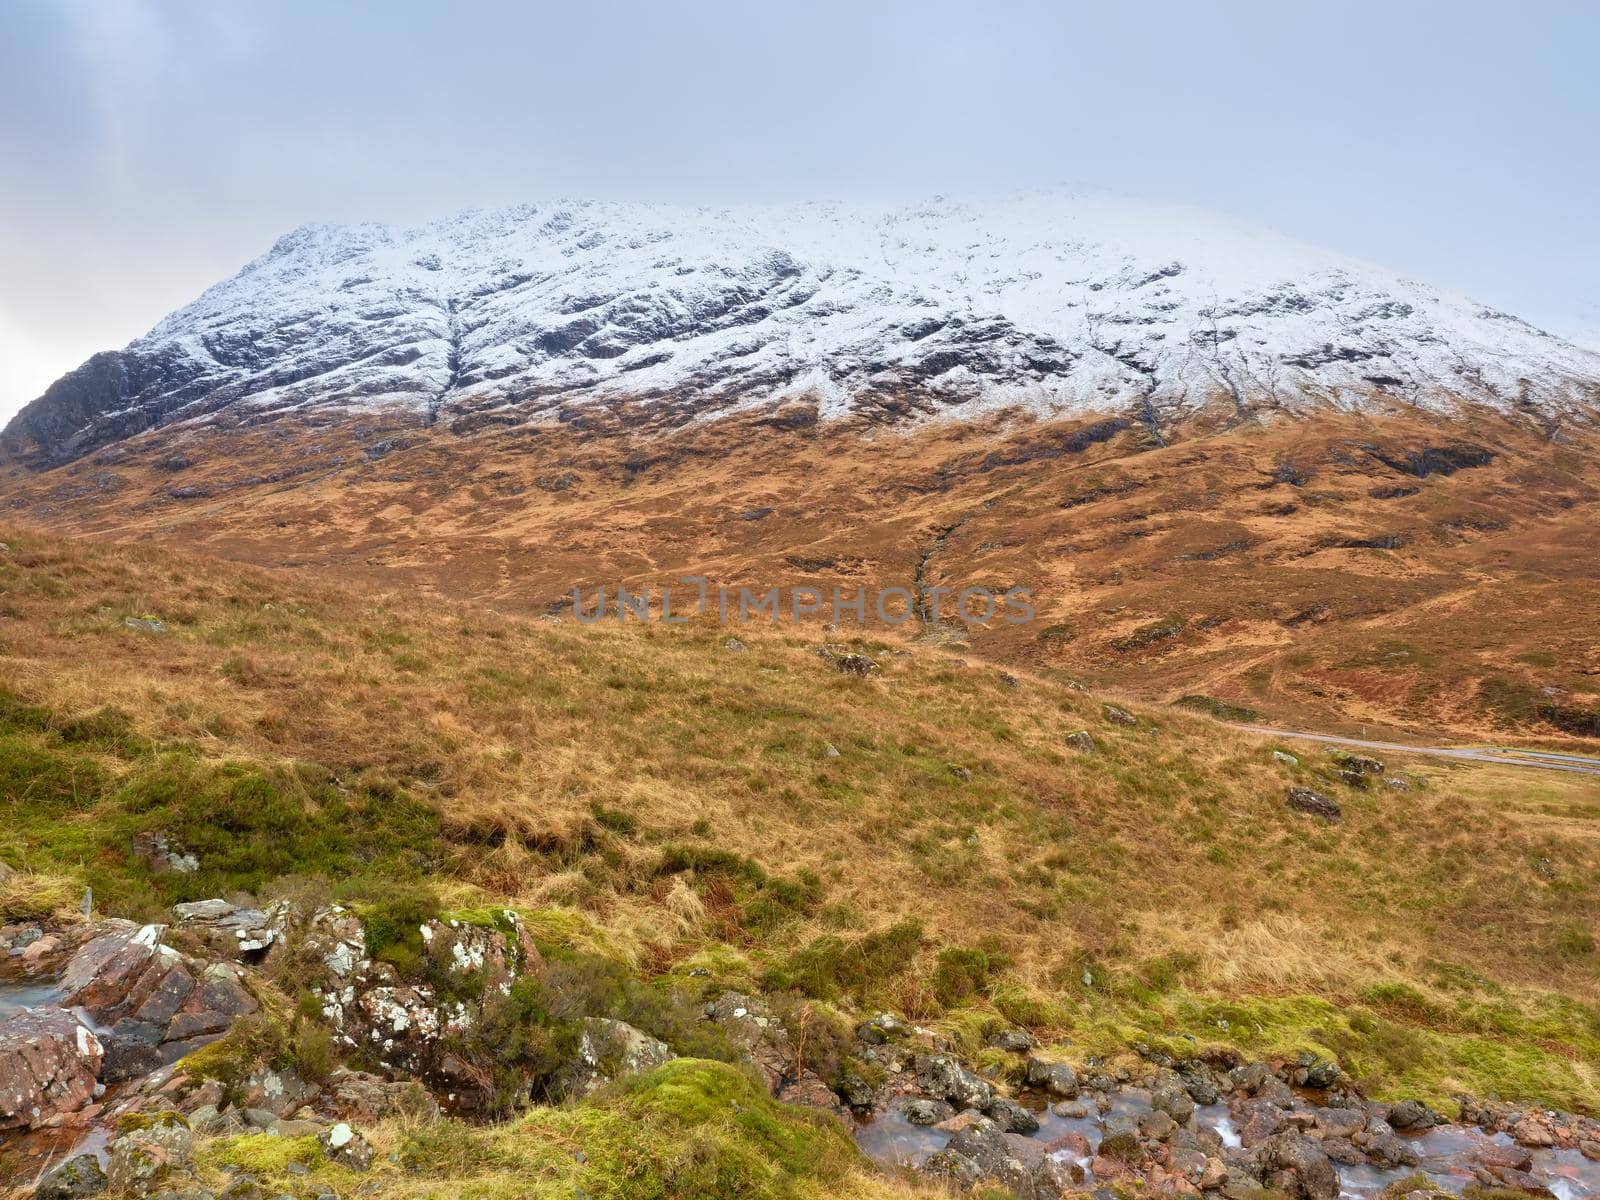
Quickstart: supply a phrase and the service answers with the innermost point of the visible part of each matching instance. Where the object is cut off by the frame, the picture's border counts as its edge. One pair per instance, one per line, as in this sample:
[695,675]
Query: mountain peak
[1049,302]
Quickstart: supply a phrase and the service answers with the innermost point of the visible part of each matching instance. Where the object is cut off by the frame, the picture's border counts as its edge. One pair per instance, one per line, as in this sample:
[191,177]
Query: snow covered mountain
[1051,302]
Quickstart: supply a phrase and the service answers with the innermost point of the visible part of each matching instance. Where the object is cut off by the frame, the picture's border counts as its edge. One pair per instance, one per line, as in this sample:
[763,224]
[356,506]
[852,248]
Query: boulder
[150,994]
[1388,1151]
[49,1064]
[244,934]
[944,1078]
[1175,1102]
[1117,715]
[986,1145]
[1119,1139]
[1413,1114]
[161,856]
[1296,1165]
[609,1050]
[343,1145]
[72,1180]
[1011,1116]
[142,1156]
[1057,1078]
[1303,799]
[1016,1041]
[1080,740]
[920,1111]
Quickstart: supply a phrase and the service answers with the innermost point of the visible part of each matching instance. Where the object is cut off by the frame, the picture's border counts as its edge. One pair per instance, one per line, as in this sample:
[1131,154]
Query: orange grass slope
[1396,571]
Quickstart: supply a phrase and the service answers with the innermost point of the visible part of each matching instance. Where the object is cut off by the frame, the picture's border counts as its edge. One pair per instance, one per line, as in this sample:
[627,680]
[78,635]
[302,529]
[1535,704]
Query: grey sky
[151,147]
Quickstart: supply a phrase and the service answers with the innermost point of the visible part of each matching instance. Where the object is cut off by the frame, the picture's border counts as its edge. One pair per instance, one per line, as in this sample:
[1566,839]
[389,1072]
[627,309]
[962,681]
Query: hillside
[545,764]
[1392,569]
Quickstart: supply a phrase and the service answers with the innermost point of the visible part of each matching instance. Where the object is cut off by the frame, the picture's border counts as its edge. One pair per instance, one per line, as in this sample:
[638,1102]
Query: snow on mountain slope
[1053,302]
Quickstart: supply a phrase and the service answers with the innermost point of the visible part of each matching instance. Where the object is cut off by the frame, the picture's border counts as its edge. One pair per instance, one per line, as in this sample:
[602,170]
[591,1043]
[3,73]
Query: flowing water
[1446,1153]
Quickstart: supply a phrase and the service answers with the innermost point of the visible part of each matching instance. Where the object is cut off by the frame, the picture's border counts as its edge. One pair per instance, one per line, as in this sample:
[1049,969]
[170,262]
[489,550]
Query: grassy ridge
[672,803]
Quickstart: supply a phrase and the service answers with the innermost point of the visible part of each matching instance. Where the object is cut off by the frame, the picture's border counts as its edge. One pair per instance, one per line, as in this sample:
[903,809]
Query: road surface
[1540,759]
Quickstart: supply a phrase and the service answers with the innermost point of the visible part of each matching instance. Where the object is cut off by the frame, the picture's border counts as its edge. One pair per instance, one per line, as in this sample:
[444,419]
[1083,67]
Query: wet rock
[142,1156]
[858,1092]
[1080,740]
[1340,1122]
[48,1067]
[1156,1125]
[1119,1138]
[1305,800]
[1175,1101]
[1343,1151]
[1590,1149]
[1493,1154]
[986,1145]
[1057,1078]
[1530,1131]
[1389,1151]
[943,1077]
[1011,1116]
[1518,1181]
[76,1178]
[1258,1120]
[126,975]
[609,1050]
[1071,1109]
[1293,1163]
[1200,1082]
[1118,715]
[344,1146]
[1413,1114]
[925,1112]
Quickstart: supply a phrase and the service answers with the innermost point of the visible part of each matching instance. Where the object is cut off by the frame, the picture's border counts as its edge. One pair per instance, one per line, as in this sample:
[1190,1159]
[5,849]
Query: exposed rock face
[231,931]
[158,1004]
[403,1025]
[1072,302]
[48,1068]
[609,1050]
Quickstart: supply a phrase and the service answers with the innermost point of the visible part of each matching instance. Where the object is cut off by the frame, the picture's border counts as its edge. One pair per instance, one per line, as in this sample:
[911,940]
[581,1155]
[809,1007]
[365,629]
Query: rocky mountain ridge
[1049,303]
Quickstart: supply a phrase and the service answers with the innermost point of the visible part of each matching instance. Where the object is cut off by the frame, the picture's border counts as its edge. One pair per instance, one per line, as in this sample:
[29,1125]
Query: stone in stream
[1295,1165]
[1011,1116]
[1057,1078]
[49,1064]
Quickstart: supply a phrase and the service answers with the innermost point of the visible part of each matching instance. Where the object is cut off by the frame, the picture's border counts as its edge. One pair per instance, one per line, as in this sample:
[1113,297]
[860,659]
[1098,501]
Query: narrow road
[1542,759]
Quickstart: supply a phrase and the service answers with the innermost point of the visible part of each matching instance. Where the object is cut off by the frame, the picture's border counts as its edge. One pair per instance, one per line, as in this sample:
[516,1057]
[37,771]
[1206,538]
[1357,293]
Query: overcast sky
[151,147]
